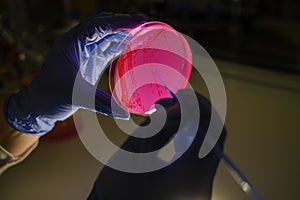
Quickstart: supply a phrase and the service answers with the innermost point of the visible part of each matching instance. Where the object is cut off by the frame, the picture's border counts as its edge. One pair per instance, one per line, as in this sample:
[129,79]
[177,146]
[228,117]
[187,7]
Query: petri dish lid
[155,60]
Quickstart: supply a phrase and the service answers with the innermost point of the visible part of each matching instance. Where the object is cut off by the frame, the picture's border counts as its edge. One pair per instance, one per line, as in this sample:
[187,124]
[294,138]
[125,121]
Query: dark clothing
[188,177]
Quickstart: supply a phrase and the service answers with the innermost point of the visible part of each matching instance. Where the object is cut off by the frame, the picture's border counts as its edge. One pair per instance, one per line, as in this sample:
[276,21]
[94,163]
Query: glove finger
[105,104]
[103,24]
[96,56]
[89,97]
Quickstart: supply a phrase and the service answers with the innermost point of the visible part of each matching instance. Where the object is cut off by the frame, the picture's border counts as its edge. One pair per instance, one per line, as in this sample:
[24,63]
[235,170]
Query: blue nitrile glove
[87,49]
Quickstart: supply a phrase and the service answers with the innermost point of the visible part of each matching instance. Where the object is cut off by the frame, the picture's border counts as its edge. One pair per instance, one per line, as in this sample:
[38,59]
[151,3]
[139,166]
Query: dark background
[256,43]
[262,33]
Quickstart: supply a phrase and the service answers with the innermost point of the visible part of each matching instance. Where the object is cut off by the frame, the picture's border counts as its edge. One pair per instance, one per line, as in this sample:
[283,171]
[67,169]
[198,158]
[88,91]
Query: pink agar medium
[156,60]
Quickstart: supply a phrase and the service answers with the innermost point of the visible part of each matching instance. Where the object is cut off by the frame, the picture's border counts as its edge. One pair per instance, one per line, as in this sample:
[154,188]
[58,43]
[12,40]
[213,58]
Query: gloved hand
[86,49]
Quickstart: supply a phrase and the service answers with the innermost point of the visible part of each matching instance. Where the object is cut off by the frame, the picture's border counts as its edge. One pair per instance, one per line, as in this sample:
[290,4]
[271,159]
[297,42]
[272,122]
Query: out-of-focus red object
[62,131]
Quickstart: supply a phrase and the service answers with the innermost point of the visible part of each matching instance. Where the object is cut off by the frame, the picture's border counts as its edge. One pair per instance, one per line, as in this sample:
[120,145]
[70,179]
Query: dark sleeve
[186,178]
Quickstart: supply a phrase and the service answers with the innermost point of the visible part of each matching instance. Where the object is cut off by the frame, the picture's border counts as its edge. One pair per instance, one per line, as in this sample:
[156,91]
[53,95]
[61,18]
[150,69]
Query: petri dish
[155,62]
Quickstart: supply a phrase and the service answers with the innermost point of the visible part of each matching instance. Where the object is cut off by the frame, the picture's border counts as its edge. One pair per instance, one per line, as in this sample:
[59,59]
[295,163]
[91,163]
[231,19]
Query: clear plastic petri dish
[155,62]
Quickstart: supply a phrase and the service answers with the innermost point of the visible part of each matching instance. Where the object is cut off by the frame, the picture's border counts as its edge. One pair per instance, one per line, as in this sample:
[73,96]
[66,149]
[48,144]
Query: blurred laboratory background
[255,45]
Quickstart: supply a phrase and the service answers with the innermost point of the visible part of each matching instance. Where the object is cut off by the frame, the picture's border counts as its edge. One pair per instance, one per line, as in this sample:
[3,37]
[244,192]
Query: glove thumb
[88,96]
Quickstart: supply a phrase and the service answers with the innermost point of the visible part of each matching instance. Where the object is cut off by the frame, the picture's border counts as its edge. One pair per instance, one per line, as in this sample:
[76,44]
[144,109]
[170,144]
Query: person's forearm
[13,141]
[5,128]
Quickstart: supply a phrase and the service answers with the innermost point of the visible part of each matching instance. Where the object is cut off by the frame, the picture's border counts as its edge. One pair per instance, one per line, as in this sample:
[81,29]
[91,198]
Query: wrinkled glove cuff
[25,122]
